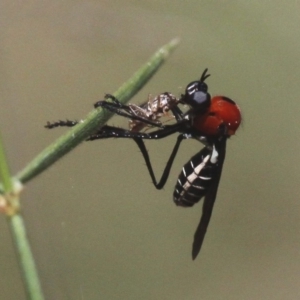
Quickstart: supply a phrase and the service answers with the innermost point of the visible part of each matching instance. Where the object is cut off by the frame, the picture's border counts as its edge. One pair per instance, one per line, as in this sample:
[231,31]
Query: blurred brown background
[98,228]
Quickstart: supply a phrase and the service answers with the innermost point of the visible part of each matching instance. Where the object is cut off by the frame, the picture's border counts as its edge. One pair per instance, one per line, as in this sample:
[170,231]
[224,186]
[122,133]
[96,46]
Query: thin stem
[10,206]
[97,118]
[4,170]
[25,257]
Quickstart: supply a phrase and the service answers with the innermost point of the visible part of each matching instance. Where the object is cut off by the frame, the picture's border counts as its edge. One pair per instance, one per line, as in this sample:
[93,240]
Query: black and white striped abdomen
[196,177]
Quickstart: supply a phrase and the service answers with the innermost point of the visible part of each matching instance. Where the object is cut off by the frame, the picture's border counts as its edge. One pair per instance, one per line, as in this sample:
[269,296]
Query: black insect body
[209,120]
[196,177]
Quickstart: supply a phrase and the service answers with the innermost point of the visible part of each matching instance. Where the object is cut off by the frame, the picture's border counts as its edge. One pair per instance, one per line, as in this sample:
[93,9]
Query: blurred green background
[98,227]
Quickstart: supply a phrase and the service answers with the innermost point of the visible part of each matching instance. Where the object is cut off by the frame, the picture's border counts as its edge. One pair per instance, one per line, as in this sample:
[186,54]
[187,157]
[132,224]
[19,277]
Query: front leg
[114,104]
[60,123]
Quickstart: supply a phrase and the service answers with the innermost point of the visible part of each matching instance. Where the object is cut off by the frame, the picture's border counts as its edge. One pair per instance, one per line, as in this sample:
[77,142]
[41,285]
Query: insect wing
[209,200]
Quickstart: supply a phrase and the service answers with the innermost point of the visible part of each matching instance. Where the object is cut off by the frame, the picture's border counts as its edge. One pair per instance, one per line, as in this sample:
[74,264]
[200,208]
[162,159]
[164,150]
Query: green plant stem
[4,170]
[95,119]
[17,227]
[25,257]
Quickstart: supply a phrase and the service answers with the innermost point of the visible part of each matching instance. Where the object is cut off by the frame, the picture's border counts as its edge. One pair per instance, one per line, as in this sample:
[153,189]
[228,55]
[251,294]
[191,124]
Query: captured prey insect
[209,120]
[152,110]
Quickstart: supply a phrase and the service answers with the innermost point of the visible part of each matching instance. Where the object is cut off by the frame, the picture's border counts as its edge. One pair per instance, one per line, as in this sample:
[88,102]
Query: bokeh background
[98,228]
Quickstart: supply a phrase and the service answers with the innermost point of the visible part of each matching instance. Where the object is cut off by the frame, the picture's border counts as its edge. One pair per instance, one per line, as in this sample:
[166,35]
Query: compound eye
[196,96]
[191,88]
[200,101]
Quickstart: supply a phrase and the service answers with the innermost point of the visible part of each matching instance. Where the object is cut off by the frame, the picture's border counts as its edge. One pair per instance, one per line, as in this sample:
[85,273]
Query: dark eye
[196,86]
[196,94]
[200,100]
[191,88]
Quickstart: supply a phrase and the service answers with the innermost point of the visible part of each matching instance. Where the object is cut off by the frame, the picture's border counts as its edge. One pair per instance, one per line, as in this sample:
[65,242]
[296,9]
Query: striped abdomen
[196,177]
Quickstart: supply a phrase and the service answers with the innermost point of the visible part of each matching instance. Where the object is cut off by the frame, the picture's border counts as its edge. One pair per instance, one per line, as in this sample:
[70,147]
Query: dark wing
[209,200]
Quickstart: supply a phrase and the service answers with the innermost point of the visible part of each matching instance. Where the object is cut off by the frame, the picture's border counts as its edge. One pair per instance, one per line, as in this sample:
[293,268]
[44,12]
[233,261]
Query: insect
[152,110]
[211,121]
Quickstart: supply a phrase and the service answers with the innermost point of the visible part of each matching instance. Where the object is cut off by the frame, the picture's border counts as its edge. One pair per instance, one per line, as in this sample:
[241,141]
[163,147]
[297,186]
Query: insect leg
[116,132]
[60,123]
[177,112]
[159,185]
[110,131]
